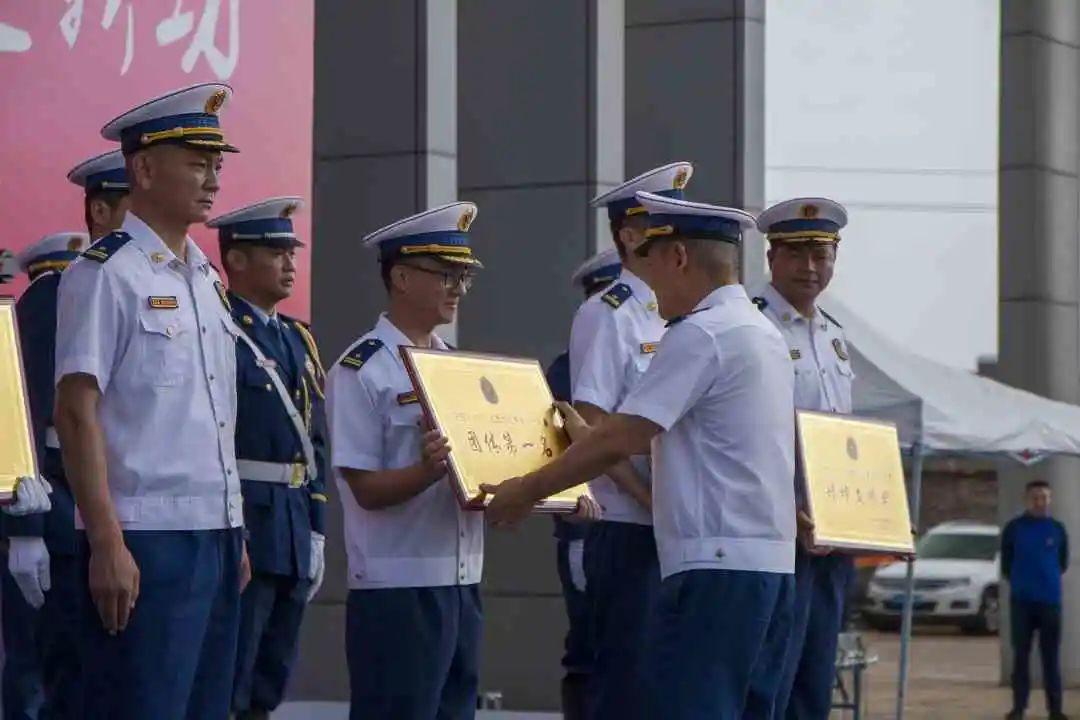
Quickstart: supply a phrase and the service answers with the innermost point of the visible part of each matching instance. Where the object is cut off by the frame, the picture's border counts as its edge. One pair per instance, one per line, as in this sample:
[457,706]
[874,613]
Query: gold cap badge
[214,102]
[809,212]
[466,220]
[680,179]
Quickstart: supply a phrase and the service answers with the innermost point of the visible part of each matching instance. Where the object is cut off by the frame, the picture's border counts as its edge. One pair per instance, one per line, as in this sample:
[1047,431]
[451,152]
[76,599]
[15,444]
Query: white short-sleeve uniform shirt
[819,356]
[721,387]
[612,342]
[374,420]
[156,335]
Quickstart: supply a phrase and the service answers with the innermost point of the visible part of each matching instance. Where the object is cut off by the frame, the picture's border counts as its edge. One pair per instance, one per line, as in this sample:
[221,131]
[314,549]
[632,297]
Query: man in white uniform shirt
[145,410]
[716,404]
[612,340]
[803,236]
[413,618]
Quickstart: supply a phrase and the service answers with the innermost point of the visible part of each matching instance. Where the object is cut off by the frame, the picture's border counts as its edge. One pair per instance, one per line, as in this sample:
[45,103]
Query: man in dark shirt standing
[1034,555]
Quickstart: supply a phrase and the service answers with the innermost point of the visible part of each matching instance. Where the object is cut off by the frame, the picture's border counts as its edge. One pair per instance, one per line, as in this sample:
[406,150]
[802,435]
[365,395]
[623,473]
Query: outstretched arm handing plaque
[498,414]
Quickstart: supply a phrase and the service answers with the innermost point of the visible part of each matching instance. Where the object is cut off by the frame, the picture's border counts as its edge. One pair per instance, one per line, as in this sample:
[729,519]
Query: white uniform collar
[641,290]
[393,338]
[256,310]
[722,294]
[785,311]
[151,244]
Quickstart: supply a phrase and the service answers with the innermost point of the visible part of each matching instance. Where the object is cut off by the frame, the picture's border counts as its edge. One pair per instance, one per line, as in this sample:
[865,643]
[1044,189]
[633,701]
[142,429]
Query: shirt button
[221,424]
[211,378]
[719,554]
[204,329]
[229,471]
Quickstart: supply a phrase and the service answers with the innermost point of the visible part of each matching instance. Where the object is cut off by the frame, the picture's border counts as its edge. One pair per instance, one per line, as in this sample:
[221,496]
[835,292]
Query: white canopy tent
[940,410]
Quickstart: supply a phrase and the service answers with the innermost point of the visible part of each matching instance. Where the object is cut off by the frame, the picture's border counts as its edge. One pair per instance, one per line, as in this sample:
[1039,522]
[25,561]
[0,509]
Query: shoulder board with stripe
[760,302]
[107,246]
[617,295]
[830,318]
[361,353]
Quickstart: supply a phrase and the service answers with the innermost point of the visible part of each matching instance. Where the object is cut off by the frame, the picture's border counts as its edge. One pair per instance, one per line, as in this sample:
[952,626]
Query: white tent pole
[909,582]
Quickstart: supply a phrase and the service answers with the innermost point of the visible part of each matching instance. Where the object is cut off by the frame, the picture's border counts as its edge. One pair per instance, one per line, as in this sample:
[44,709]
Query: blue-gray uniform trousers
[716,642]
[578,653]
[272,606]
[41,661]
[622,583]
[176,658]
[413,652]
[809,674]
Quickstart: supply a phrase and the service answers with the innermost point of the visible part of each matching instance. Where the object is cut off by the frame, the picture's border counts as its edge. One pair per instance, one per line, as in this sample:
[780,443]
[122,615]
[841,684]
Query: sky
[891,108]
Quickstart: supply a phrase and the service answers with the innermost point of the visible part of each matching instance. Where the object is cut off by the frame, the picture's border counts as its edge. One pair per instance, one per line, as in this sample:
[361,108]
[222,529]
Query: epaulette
[107,246]
[760,302]
[309,343]
[617,295]
[831,319]
[359,355]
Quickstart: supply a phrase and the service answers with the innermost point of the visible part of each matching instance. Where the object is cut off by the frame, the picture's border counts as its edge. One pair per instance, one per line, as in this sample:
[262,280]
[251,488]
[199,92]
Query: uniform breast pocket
[403,428]
[166,349]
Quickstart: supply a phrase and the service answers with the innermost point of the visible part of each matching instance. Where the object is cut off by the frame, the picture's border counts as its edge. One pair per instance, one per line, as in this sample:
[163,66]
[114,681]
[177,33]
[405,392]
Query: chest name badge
[163,302]
[407,398]
[796,354]
[841,351]
[649,348]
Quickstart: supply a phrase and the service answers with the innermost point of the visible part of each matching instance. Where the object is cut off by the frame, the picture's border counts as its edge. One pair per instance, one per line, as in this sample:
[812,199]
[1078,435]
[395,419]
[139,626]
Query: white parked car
[957,568]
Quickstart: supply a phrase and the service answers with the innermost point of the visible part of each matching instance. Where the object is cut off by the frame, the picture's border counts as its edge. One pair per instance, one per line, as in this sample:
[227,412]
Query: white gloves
[31,496]
[9,267]
[28,562]
[318,563]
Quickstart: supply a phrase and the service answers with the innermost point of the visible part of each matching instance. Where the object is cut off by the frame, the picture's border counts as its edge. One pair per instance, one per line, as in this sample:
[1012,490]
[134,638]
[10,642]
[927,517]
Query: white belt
[52,440]
[292,474]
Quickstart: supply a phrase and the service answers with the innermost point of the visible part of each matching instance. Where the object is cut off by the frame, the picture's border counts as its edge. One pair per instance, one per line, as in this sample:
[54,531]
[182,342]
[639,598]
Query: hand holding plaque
[495,419]
[854,483]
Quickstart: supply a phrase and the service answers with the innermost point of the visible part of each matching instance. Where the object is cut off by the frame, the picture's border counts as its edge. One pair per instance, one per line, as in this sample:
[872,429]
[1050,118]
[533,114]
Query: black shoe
[1015,715]
[1058,715]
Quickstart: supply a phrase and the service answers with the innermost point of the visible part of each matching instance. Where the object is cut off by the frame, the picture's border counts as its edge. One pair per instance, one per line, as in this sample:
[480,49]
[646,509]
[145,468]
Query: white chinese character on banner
[180,24]
[12,39]
[71,22]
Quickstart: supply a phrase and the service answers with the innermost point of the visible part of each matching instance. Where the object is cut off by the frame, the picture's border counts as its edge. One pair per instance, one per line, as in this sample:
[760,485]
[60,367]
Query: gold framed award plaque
[497,412]
[17,456]
[854,482]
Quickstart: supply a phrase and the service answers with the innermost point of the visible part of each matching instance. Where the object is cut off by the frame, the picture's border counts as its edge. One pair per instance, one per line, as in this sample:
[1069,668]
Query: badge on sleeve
[649,348]
[407,398]
[841,351]
[796,354]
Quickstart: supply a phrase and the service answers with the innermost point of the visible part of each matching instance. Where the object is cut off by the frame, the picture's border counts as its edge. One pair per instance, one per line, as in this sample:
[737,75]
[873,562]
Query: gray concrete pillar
[540,112]
[695,90]
[1039,198]
[385,147]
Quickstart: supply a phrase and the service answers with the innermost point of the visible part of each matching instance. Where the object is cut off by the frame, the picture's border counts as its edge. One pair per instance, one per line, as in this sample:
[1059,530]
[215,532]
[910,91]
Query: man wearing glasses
[413,615]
